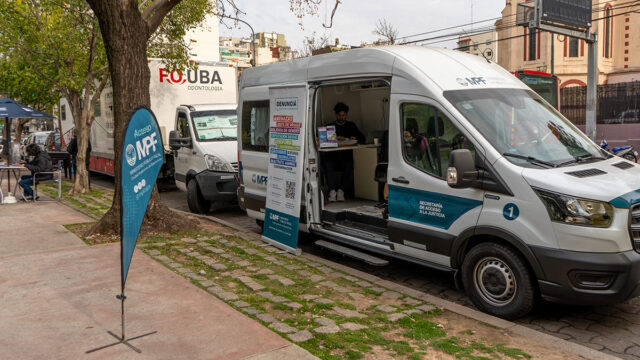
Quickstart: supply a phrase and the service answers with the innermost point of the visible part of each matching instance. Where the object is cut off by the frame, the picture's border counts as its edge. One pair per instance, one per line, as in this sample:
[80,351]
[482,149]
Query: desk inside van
[365,159]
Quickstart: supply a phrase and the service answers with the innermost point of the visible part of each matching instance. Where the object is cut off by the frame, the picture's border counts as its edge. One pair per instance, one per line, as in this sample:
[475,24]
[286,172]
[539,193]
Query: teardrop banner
[142,158]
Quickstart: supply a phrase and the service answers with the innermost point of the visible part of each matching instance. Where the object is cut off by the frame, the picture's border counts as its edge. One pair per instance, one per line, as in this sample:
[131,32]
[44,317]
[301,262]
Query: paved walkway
[58,300]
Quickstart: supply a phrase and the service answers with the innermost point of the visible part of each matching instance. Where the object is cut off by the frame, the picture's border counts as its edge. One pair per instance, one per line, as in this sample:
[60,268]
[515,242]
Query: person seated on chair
[340,160]
[41,163]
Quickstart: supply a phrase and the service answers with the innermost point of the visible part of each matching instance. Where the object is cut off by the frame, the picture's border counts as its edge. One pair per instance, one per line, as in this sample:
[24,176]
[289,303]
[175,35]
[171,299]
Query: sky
[355,20]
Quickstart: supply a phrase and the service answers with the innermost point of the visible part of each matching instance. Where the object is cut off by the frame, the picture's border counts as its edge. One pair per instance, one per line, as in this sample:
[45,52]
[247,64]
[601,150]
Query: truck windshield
[522,127]
[215,125]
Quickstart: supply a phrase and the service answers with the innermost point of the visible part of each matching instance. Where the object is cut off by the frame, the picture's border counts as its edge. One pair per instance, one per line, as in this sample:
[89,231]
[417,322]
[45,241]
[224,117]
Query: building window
[532,44]
[608,24]
[573,47]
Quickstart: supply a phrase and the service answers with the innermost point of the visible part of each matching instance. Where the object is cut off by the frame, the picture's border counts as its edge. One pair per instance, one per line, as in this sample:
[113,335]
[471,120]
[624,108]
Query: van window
[183,125]
[428,137]
[255,125]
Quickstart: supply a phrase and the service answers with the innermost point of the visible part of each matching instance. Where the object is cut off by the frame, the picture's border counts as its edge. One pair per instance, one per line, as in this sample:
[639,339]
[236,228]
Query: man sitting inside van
[340,160]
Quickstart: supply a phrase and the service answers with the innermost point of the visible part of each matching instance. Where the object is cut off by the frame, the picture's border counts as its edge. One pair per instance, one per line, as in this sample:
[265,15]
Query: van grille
[235,166]
[634,227]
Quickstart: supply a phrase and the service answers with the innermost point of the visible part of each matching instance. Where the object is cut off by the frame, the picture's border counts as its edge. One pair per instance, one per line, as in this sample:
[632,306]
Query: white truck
[211,83]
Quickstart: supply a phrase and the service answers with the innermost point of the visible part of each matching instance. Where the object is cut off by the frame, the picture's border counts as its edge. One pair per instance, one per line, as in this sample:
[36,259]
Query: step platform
[371,260]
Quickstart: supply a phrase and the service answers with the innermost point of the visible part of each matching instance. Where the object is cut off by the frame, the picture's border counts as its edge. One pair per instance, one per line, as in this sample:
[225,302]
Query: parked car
[38,137]
[53,143]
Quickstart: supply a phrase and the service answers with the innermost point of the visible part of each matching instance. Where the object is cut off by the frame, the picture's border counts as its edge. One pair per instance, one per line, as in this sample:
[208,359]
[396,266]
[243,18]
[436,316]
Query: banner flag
[286,161]
[142,158]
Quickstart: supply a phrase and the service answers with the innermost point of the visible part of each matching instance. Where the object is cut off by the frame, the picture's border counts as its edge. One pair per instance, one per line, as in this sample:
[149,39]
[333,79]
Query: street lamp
[253,35]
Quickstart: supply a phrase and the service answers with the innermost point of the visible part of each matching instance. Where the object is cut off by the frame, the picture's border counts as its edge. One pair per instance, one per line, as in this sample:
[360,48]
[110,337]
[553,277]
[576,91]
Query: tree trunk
[125,35]
[81,183]
[19,129]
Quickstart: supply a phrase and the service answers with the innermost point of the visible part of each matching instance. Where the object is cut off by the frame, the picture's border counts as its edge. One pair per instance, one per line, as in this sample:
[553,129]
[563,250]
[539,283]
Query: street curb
[542,338]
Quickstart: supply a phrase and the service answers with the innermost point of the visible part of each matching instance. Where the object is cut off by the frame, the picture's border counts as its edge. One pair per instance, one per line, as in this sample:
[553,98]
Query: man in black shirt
[340,160]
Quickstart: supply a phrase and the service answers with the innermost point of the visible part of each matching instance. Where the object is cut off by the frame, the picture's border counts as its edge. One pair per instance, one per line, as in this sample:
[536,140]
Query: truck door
[183,155]
[425,214]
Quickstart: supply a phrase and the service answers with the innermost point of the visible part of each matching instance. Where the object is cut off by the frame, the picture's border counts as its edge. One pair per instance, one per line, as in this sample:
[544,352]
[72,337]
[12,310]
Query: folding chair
[57,178]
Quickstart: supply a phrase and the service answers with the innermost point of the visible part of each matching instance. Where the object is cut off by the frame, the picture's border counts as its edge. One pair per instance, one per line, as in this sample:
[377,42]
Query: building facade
[269,48]
[616,26]
[483,44]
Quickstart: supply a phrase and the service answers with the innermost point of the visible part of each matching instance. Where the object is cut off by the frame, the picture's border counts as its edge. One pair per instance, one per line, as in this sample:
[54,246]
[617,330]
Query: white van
[204,147]
[505,192]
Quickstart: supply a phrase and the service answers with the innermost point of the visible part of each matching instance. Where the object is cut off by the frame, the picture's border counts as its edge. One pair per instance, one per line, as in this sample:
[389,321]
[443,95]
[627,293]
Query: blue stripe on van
[625,201]
[428,208]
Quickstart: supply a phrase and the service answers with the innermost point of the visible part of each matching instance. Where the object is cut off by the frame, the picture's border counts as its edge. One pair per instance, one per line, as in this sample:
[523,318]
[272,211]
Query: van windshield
[522,127]
[215,125]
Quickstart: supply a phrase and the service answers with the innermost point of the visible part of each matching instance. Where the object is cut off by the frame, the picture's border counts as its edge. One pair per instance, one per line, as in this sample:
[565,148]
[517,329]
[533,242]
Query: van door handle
[193,152]
[400,179]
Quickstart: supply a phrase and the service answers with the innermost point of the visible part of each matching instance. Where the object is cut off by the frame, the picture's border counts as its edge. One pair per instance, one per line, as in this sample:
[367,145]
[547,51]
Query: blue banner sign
[142,157]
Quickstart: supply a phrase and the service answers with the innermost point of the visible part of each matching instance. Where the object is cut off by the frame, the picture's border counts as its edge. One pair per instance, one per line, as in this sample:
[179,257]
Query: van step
[371,260]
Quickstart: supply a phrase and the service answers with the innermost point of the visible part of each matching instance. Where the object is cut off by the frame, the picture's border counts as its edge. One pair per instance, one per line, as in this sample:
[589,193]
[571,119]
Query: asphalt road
[613,329]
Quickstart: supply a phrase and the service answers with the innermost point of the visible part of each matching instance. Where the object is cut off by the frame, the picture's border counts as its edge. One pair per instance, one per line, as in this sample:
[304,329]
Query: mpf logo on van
[141,150]
[287,103]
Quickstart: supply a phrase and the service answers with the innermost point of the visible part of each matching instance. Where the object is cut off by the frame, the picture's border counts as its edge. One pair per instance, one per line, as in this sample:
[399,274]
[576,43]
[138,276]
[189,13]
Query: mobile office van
[507,193]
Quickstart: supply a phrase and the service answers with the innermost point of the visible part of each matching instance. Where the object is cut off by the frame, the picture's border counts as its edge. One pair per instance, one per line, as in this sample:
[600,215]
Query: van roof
[205,107]
[448,69]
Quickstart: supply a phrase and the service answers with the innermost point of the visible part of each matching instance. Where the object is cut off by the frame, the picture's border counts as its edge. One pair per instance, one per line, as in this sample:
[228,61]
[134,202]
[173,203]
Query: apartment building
[616,24]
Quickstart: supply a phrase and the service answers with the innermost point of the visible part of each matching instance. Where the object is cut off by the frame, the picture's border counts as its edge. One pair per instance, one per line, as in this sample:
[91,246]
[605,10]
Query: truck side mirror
[176,142]
[461,172]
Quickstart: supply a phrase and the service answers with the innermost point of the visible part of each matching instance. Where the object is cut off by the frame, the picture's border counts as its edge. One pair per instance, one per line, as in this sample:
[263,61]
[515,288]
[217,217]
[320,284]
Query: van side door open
[426,214]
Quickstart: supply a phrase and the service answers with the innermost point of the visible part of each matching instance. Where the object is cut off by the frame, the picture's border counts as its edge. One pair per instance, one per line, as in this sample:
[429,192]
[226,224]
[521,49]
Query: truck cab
[204,147]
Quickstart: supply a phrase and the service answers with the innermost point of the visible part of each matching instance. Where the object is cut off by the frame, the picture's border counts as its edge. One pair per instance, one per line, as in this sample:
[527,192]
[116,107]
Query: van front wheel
[497,280]
[197,204]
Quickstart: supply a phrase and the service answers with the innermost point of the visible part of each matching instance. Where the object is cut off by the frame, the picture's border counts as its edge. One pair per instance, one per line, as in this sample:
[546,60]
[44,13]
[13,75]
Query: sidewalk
[60,302]
[58,298]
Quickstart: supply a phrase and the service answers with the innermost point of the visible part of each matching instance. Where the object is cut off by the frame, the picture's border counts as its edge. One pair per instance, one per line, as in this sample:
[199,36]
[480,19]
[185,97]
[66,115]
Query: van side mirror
[461,172]
[176,142]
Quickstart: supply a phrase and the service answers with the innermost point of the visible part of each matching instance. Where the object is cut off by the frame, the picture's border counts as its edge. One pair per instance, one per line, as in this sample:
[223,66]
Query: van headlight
[215,163]
[571,210]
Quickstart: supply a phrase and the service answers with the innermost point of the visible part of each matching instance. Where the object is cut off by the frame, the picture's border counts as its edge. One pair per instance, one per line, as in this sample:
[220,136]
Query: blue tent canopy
[10,108]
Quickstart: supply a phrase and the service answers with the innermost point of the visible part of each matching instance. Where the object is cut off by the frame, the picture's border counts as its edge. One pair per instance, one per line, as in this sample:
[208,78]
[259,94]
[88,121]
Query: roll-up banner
[142,158]
[288,111]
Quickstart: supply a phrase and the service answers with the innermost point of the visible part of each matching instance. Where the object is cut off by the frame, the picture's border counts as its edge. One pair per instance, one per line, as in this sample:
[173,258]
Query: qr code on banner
[290,189]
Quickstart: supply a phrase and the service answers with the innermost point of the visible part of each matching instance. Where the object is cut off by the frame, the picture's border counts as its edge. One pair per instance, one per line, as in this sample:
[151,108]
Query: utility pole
[592,88]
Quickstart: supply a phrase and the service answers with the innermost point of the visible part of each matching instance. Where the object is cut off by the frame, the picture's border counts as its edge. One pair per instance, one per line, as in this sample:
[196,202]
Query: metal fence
[617,103]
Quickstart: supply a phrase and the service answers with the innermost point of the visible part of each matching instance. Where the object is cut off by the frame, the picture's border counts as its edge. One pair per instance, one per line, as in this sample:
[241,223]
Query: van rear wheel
[197,204]
[498,281]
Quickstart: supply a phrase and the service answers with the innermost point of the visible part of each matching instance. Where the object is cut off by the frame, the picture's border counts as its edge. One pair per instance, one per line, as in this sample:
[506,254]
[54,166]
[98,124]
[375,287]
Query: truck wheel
[497,280]
[197,204]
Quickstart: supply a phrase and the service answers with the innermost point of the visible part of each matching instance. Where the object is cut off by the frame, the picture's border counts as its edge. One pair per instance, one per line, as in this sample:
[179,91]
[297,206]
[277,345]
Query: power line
[504,26]
[510,24]
[523,35]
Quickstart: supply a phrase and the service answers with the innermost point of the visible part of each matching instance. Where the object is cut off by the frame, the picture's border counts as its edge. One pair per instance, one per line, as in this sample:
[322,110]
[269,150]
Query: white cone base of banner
[296,252]
[9,199]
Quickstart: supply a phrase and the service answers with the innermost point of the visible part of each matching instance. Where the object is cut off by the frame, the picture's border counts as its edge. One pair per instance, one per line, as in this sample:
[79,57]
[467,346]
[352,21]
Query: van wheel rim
[495,281]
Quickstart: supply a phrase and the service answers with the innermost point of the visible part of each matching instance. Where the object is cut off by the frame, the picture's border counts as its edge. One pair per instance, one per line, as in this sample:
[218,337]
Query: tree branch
[333,12]
[156,12]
